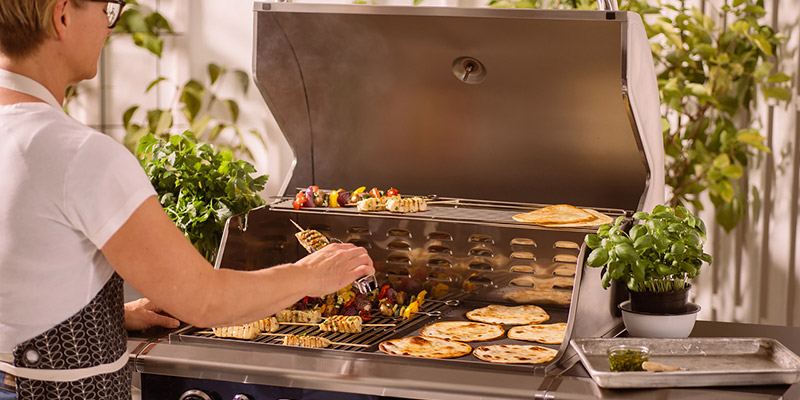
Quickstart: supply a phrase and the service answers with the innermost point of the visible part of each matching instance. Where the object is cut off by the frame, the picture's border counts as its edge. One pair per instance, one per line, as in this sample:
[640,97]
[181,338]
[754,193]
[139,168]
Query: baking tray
[722,361]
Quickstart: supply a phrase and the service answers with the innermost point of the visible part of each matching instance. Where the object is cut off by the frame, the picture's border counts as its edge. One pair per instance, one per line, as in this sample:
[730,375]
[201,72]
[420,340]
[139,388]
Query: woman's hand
[335,266]
[142,314]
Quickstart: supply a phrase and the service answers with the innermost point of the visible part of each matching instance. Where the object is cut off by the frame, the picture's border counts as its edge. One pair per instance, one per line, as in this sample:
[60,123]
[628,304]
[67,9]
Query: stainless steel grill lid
[513,105]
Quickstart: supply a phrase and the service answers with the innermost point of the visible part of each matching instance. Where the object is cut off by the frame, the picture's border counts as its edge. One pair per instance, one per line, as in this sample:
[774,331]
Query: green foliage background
[199,182]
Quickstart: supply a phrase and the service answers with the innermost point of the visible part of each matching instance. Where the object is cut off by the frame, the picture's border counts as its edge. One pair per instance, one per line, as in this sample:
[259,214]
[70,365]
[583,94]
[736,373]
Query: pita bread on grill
[557,214]
[427,347]
[538,296]
[504,315]
[463,331]
[565,216]
[515,354]
[597,220]
[545,333]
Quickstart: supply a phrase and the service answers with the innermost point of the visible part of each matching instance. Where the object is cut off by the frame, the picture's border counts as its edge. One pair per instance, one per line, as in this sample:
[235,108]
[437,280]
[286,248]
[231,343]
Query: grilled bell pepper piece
[421,297]
[333,200]
[299,201]
[412,308]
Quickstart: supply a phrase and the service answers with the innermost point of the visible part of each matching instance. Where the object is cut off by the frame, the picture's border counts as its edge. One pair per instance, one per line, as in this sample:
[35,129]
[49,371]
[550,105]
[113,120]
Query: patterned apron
[94,336]
[84,357]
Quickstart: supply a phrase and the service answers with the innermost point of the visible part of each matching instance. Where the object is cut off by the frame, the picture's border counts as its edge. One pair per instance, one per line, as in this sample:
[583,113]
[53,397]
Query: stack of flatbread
[564,216]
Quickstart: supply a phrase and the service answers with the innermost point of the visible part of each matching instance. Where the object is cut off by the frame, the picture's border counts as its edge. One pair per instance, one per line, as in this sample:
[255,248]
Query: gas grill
[490,112]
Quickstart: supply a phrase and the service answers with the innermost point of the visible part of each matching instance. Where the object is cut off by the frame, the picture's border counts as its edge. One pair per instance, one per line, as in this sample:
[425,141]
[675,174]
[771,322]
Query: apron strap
[23,84]
[64,375]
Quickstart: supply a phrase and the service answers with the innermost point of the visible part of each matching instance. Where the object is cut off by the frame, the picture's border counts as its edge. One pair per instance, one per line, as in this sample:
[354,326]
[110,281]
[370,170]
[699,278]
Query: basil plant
[660,253]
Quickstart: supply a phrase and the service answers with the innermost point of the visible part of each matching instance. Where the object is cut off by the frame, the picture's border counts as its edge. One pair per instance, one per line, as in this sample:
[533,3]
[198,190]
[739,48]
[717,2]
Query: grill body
[505,111]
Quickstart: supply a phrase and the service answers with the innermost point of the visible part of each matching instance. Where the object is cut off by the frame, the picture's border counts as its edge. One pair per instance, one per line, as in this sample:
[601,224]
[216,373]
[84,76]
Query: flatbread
[427,347]
[598,220]
[504,315]
[556,214]
[463,331]
[515,354]
[546,333]
[565,216]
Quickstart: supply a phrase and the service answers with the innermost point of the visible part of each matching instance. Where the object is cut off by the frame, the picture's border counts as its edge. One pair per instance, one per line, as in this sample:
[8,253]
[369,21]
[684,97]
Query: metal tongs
[365,284]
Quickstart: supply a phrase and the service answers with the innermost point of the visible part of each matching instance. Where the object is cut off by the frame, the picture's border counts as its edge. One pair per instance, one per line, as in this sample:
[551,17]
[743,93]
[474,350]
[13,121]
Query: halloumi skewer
[314,341]
[406,205]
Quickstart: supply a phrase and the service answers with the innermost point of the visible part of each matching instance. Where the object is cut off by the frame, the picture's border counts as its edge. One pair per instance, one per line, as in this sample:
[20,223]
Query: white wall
[756,274]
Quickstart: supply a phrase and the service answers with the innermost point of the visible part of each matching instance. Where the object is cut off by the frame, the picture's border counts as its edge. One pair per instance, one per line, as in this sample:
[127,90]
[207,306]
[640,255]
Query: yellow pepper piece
[412,308]
[440,290]
[421,297]
[333,200]
[359,190]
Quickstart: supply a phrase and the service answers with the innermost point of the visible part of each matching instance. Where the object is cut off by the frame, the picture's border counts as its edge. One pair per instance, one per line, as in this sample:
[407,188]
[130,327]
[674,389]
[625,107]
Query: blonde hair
[25,24]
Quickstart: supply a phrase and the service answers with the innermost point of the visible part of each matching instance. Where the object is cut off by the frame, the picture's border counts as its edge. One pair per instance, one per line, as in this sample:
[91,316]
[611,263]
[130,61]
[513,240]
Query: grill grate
[369,336]
[466,210]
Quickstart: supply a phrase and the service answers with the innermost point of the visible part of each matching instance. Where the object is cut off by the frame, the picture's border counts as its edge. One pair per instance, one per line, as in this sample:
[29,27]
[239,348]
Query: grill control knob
[196,394]
[241,396]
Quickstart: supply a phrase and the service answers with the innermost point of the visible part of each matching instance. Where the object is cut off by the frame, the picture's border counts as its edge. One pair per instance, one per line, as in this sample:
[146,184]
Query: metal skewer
[299,228]
[317,324]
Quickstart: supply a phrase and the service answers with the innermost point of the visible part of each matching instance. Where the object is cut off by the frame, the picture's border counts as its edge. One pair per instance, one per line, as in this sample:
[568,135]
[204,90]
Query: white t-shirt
[65,189]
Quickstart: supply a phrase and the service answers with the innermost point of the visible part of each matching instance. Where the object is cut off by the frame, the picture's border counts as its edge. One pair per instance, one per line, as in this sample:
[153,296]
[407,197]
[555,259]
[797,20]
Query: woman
[78,215]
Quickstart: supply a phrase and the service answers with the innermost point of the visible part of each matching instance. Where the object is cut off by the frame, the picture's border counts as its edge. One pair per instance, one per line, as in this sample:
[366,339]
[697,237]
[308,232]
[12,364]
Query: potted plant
[655,259]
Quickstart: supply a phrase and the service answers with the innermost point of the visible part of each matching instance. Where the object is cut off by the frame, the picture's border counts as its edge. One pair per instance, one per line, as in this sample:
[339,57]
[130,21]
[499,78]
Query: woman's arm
[154,257]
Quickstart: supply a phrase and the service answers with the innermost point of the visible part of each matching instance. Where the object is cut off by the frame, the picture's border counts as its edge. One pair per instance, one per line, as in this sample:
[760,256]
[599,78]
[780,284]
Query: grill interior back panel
[473,249]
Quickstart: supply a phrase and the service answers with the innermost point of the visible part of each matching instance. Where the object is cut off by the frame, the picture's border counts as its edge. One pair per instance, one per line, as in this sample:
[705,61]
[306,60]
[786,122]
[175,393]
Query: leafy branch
[199,187]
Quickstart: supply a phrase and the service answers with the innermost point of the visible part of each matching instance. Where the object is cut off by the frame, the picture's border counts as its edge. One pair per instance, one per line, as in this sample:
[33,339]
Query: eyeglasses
[113,11]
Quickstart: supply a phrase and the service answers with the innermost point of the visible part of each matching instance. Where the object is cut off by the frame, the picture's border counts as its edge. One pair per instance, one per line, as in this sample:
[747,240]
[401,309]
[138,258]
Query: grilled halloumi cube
[306,341]
[269,324]
[406,205]
[312,240]
[341,323]
[246,331]
[313,316]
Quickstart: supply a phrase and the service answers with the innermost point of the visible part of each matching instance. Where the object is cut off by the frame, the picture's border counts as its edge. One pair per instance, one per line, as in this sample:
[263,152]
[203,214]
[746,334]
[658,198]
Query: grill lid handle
[607,5]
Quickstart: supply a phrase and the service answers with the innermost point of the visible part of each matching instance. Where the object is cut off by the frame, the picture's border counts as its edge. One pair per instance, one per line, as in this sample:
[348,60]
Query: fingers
[142,314]
[156,319]
[336,265]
